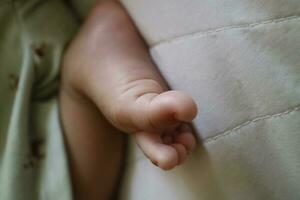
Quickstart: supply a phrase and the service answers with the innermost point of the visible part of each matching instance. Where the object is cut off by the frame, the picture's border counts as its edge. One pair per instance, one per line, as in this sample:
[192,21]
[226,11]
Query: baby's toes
[168,157]
[186,137]
[163,155]
[181,152]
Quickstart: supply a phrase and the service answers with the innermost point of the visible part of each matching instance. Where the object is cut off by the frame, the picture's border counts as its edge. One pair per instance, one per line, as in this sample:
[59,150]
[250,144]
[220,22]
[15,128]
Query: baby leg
[95,148]
[109,64]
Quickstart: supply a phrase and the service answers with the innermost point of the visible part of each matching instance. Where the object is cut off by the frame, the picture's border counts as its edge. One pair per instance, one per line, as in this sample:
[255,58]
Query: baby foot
[158,121]
[108,63]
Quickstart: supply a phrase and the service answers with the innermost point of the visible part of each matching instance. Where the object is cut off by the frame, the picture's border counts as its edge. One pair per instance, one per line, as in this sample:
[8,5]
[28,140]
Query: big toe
[170,108]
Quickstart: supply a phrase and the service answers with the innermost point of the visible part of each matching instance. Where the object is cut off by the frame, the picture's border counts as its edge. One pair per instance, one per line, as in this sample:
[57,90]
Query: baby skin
[110,85]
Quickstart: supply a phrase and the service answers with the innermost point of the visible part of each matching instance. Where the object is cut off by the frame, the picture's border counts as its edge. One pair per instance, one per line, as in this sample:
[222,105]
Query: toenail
[154,163]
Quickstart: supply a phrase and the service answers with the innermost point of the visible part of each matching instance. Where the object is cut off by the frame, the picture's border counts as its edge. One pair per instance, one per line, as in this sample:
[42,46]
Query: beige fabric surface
[240,60]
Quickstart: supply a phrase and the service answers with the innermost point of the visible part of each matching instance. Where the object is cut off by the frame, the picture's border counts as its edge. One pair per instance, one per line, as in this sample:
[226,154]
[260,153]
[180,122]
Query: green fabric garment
[33,36]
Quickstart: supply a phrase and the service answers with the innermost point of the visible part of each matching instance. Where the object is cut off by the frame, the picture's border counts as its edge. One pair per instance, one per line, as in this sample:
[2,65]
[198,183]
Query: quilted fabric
[240,60]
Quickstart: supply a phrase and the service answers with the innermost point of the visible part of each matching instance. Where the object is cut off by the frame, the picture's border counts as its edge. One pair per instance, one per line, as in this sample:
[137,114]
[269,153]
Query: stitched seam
[199,34]
[253,121]
[231,131]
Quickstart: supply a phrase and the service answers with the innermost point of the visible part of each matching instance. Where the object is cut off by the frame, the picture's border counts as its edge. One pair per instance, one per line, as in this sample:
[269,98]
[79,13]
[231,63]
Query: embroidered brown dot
[25,166]
[36,149]
[39,50]
[13,81]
